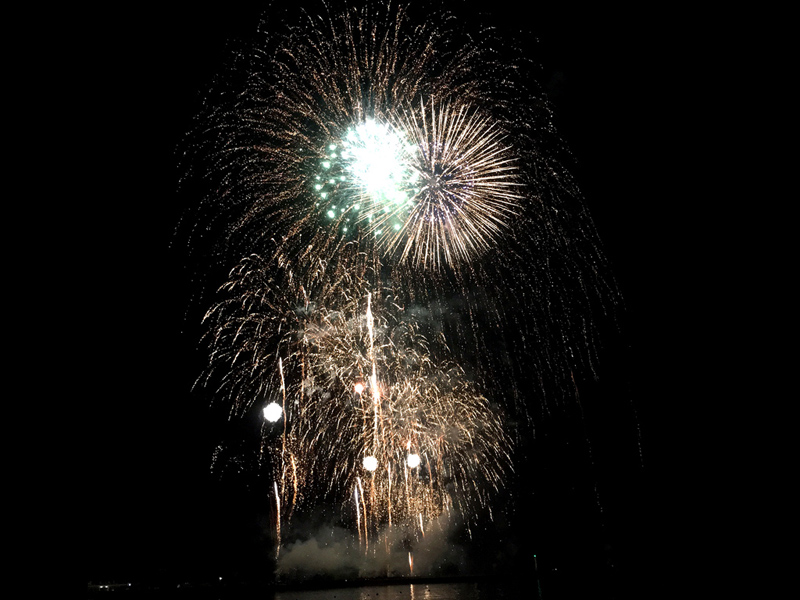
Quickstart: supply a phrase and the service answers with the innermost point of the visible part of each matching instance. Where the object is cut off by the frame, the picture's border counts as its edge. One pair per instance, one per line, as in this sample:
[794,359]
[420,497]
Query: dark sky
[620,86]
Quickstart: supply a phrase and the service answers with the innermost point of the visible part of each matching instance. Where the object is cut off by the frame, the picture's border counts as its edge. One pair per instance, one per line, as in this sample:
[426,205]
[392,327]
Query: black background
[622,86]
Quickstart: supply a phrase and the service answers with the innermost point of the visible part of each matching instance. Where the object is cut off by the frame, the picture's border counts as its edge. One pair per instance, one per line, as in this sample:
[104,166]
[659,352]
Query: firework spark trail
[277,518]
[376,394]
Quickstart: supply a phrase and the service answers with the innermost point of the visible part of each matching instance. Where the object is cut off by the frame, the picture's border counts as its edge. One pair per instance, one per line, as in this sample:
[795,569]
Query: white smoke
[336,553]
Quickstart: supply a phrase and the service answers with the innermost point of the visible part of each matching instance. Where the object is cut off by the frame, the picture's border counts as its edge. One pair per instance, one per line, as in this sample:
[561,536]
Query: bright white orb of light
[378,159]
[370,463]
[359,387]
[272,412]
[413,460]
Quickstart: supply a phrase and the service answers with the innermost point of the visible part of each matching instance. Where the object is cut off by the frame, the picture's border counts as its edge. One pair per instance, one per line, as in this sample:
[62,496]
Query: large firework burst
[368,408]
[365,125]
[406,187]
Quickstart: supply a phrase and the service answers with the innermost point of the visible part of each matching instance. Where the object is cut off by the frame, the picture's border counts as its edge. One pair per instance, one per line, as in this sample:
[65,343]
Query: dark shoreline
[258,589]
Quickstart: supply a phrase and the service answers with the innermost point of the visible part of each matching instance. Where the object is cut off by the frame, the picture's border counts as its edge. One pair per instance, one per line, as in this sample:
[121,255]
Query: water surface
[411,591]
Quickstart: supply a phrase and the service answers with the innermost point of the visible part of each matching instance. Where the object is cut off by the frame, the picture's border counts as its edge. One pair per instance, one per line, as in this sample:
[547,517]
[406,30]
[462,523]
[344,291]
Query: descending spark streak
[283,396]
[277,519]
[294,481]
[358,513]
[376,396]
[364,509]
[389,494]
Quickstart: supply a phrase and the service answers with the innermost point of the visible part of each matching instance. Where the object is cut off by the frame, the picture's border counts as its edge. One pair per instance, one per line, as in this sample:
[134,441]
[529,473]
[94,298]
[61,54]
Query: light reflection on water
[419,591]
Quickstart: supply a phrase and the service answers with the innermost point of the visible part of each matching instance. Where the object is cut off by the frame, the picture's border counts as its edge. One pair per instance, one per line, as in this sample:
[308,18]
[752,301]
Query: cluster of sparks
[373,169]
[360,120]
[356,399]
[441,196]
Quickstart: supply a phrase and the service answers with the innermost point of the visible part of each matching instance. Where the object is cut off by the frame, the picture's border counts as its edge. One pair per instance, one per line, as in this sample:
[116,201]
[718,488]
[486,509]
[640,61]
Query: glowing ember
[273,412]
[370,463]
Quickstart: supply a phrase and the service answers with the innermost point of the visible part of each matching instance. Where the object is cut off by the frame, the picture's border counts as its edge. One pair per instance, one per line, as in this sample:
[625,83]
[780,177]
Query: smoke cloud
[336,553]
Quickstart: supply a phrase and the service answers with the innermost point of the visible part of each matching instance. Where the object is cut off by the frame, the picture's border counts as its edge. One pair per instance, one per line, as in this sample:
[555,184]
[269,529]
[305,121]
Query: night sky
[619,86]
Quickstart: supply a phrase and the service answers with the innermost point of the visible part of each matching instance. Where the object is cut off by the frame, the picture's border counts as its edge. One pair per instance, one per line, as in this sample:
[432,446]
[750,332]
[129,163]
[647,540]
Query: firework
[374,132]
[412,233]
[367,180]
[470,188]
[364,126]
[438,187]
[375,412]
